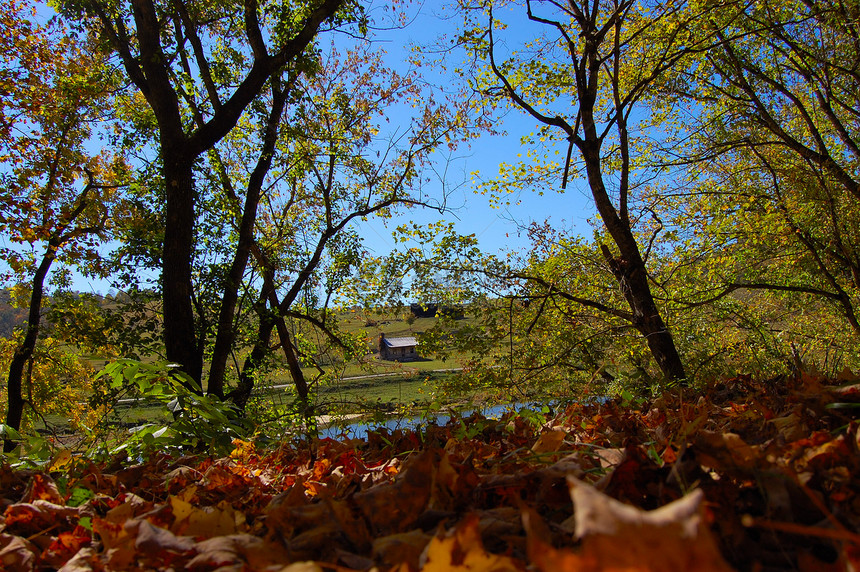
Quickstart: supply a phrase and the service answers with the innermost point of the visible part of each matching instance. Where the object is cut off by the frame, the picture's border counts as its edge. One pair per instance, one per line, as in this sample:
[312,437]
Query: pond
[360,428]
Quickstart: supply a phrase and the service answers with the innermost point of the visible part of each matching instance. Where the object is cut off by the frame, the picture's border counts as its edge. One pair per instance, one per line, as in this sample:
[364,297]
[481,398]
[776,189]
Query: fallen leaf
[396,506]
[65,546]
[43,487]
[549,442]
[726,451]
[39,515]
[302,567]
[401,548]
[244,550]
[17,553]
[544,555]
[61,461]
[790,427]
[203,521]
[847,376]
[673,537]
[462,550]
[85,560]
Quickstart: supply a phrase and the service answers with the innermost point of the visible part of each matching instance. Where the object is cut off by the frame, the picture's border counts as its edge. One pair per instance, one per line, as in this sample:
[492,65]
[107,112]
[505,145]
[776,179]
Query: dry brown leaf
[287,514]
[609,457]
[848,393]
[204,521]
[673,537]
[244,550]
[726,451]
[353,524]
[462,550]
[405,547]
[117,542]
[790,427]
[39,515]
[86,560]
[151,539]
[549,442]
[16,553]
[302,567]
[133,506]
[847,376]
[542,554]
[395,507]
[43,487]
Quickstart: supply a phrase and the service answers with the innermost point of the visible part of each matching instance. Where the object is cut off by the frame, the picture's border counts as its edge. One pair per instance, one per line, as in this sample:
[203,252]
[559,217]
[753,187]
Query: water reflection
[359,429]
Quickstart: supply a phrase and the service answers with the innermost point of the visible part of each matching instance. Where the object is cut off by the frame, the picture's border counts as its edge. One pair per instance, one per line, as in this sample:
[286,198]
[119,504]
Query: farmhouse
[398,349]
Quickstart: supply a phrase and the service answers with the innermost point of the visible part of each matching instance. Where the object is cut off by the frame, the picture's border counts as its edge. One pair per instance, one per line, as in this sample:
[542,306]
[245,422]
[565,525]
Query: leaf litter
[744,475]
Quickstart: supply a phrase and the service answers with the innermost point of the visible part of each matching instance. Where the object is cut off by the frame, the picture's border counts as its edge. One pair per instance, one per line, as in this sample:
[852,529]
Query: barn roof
[404,342]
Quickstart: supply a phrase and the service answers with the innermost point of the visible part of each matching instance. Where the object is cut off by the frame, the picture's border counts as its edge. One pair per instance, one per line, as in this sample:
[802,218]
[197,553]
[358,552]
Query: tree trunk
[180,337]
[226,333]
[240,396]
[147,64]
[633,281]
[595,70]
[15,411]
[271,319]
[629,268]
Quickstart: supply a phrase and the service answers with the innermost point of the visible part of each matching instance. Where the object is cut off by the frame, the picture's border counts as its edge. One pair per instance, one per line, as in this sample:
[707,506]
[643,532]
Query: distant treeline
[12,317]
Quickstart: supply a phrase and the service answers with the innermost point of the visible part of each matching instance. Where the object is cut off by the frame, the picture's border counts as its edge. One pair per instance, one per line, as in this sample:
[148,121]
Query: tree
[199,68]
[776,145]
[607,56]
[276,191]
[54,194]
[336,163]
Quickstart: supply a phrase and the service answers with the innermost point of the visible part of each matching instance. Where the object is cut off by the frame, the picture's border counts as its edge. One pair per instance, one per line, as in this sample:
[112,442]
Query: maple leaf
[236,550]
[673,537]
[65,546]
[401,548]
[39,515]
[395,507]
[43,487]
[727,452]
[462,550]
[549,442]
[204,521]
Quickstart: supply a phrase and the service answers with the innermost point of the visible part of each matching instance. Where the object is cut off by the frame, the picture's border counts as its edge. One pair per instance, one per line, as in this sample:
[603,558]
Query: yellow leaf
[549,442]
[463,550]
[206,521]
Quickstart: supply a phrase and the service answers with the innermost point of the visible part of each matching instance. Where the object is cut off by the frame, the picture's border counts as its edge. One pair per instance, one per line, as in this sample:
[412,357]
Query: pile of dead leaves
[746,475]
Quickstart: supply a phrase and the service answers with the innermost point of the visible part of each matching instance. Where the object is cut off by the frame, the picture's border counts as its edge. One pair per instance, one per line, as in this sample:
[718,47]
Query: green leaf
[79,496]
[8,432]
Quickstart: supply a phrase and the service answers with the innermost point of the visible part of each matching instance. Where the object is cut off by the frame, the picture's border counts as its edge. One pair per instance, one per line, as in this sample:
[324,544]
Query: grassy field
[370,387]
[393,324]
[370,396]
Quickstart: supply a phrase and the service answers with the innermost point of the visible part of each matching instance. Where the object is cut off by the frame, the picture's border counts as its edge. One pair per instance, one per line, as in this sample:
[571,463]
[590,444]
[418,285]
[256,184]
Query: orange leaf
[673,537]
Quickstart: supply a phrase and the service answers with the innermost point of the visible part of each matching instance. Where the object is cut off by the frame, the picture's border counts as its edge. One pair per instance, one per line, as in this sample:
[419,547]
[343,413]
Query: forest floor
[743,475]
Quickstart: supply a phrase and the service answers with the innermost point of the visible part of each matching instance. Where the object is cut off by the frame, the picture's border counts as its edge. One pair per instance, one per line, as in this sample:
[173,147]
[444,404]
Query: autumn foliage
[749,475]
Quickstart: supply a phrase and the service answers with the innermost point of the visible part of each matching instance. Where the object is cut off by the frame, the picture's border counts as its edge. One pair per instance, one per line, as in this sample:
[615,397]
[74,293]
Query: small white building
[398,349]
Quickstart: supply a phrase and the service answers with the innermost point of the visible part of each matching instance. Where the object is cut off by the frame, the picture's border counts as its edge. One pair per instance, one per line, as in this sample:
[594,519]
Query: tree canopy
[216,162]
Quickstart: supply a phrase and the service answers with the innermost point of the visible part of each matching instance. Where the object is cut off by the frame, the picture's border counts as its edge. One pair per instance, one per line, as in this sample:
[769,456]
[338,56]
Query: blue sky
[498,230]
